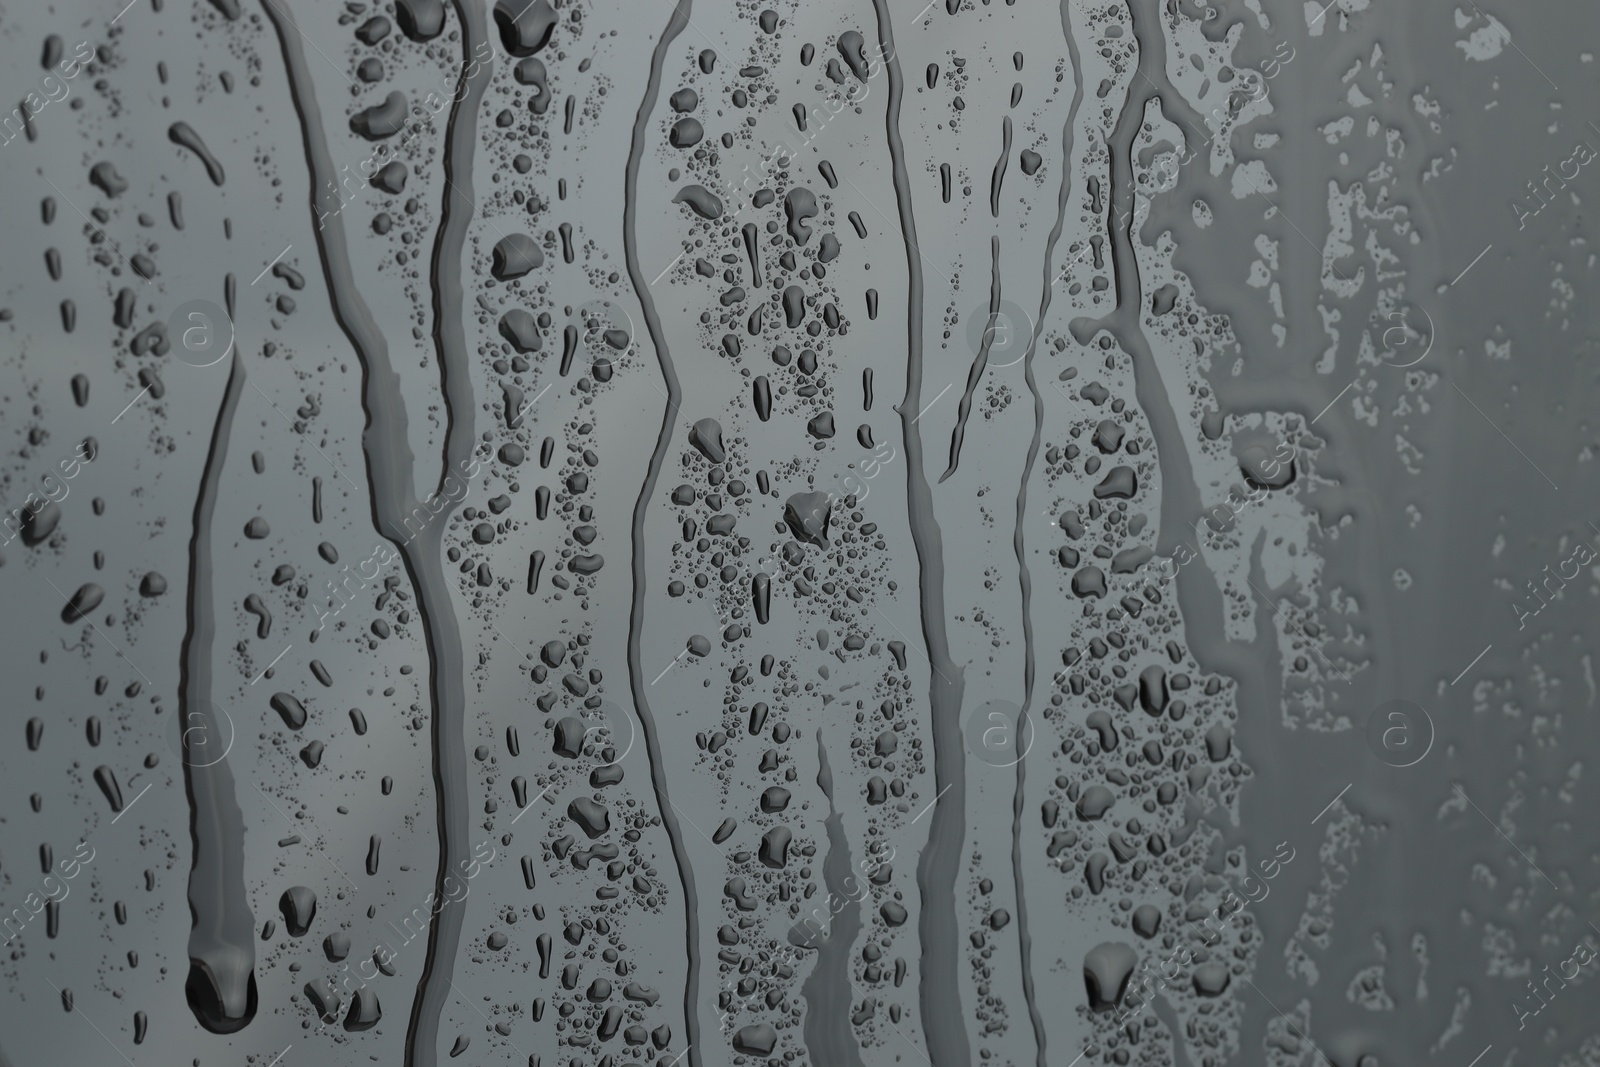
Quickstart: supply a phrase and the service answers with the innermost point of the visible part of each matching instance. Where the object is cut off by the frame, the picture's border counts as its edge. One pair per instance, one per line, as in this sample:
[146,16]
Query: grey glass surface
[852,533]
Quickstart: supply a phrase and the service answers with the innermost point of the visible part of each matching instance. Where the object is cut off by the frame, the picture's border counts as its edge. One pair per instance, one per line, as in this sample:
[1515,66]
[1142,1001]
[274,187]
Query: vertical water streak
[221,986]
[943,1022]
[829,1036]
[979,361]
[439,622]
[999,174]
[1200,601]
[1254,667]
[1024,575]
[391,474]
[636,679]
[1180,496]
[445,269]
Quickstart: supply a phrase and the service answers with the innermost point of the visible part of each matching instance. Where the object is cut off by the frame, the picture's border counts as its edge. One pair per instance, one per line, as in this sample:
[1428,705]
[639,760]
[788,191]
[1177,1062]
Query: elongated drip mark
[939,998]
[829,1036]
[221,986]
[999,174]
[749,233]
[422,555]
[636,678]
[391,470]
[1019,546]
[569,348]
[979,361]
[1124,320]
[1201,605]
[445,269]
